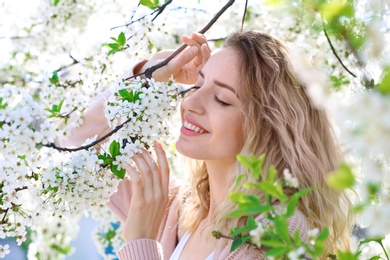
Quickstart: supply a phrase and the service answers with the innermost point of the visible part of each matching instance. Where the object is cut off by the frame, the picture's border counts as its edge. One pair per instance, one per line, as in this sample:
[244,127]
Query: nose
[194,101]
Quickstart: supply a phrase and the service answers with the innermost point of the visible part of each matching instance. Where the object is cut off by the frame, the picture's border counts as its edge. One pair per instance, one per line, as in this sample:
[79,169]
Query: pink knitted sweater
[168,236]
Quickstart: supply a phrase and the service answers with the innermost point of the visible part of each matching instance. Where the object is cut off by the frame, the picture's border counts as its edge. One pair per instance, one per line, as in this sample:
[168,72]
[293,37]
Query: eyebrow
[219,83]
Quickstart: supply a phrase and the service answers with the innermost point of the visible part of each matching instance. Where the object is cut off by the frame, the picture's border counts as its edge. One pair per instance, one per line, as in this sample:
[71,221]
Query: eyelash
[220,102]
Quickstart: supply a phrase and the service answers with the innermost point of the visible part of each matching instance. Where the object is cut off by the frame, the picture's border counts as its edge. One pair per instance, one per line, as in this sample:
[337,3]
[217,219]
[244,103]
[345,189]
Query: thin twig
[243,16]
[68,65]
[159,11]
[4,217]
[149,71]
[86,147]
[334,50]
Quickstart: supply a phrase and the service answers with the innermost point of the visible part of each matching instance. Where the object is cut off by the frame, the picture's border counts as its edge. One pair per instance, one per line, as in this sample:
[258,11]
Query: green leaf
[121,39]
[106,158]
[275,191]
[239,241]
[244,161]
[275,252]
[342,178]
[272,243]
[124,93]
[271,174]
[335,9]
[282,228]
[250,224]
[2,106]
[54,78]
[119,173]
[236,183]
[62,250]
[114,149]
[371,239]
[323,235]
[346,255]
[54,108]
[152,4]
[113,46]
[257,209]
[293,203]
[384,85]
[56,2]
[253,164]
[60,104]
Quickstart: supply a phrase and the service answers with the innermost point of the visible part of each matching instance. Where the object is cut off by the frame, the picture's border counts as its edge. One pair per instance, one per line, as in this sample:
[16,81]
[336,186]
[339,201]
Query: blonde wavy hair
[281,123]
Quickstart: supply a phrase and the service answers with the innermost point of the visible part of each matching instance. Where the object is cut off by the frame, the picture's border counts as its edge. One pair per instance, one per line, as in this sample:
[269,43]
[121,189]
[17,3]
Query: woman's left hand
[150,194]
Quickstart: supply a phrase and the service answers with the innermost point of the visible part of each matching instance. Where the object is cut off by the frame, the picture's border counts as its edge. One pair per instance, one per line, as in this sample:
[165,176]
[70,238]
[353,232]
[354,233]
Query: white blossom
[257,233]
[296,254]
[289,179]
[4,250]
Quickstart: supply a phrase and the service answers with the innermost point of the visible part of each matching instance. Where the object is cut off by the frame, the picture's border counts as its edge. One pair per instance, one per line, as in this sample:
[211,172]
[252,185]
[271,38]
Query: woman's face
[212,114]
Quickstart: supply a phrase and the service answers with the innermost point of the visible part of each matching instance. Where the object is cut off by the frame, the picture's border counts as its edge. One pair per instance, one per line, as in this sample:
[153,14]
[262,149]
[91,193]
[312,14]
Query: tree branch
[149,71]
[243,16]
[159,11]
[69,65]
[334,50]
[86,147]
[4,217]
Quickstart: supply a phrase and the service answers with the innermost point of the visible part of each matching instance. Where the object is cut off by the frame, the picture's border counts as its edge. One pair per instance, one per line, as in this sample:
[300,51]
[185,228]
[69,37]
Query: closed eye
[220,102]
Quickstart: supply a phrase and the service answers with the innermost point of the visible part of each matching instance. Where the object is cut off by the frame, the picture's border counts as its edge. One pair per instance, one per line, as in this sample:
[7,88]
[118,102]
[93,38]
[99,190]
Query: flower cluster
[145,106]
[73,183]
[23,129]
[365,130]
[51,237]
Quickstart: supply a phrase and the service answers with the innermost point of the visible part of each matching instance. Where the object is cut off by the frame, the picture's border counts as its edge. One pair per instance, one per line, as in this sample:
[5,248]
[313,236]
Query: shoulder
[299,222]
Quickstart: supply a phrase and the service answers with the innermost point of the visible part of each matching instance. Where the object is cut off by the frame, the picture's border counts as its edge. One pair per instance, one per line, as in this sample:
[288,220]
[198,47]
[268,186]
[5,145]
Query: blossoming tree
[58,57]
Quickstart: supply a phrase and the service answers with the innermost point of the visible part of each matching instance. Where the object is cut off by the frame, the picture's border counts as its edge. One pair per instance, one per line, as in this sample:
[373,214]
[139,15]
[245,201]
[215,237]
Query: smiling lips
[193,128]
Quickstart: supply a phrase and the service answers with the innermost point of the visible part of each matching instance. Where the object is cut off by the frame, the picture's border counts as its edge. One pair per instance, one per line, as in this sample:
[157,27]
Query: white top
[179,248]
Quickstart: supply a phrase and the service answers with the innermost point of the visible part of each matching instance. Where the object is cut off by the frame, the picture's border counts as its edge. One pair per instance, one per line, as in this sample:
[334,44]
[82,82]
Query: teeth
[192,127]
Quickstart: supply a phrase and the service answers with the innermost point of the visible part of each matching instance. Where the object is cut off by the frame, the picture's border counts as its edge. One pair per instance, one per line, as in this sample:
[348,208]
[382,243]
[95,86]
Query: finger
[136,182]
[163,165]
[155,175]
[200,38]
[185,57]
[193,42]
[145,172]
[206,53]
[190,41]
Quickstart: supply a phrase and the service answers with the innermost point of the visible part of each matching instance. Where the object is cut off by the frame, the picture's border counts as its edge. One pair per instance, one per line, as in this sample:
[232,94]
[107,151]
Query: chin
[186,151]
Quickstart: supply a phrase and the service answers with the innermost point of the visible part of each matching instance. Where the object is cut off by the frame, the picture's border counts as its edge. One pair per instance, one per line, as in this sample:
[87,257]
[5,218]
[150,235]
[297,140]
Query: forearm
[94,123]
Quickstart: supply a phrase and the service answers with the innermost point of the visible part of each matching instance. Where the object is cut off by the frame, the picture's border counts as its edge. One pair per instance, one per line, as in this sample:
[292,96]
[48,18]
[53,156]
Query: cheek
[237,135]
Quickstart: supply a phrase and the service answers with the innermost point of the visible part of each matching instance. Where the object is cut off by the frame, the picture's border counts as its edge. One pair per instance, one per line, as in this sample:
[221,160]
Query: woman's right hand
[150,185]
[185,66]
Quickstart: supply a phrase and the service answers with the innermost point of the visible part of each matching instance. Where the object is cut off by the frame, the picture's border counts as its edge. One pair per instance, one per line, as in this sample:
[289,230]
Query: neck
[218,180]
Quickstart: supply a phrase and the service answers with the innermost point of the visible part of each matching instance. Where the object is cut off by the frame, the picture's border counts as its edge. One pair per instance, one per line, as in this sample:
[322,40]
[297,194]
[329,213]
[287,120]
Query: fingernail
[157,145]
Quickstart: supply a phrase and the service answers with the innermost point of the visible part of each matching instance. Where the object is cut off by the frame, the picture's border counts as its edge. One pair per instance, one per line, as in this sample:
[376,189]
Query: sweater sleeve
[141,249]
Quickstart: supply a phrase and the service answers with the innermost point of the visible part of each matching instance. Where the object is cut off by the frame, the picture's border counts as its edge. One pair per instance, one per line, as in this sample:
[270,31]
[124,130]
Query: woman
[246,100]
